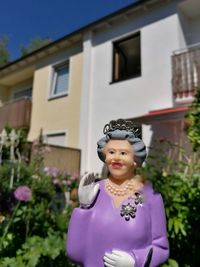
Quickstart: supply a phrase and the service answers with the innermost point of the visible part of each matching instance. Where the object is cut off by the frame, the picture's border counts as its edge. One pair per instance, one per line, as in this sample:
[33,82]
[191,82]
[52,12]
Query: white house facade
[140,63]
[128,71]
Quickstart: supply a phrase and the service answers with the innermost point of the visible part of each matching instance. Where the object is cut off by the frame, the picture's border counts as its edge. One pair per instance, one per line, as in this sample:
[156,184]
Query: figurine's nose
[116,156]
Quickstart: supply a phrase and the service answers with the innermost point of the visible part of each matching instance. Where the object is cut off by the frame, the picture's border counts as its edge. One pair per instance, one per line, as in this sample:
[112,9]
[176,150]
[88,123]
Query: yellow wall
[59,114]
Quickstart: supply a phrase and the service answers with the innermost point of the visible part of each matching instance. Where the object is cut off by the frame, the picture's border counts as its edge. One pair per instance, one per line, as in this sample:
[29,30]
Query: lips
[116,165]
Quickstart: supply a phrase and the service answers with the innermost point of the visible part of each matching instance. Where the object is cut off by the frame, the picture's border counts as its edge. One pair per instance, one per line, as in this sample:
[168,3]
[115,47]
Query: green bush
[179,183]
[34,214]
[193,122]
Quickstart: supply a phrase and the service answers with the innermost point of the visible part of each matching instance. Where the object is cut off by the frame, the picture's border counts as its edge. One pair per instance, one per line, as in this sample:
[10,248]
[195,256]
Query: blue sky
[22,20]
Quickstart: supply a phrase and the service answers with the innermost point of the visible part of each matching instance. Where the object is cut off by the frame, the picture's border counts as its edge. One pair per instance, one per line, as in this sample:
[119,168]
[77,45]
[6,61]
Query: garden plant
[176,176]
[34,213]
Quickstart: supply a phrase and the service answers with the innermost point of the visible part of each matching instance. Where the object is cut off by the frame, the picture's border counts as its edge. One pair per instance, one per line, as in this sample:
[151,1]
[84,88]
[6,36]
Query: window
[126,58]
[25,93]
[57,139]
[60,80]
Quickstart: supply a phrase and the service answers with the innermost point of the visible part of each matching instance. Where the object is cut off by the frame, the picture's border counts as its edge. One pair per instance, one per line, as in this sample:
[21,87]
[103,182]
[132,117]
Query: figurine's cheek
[108,159]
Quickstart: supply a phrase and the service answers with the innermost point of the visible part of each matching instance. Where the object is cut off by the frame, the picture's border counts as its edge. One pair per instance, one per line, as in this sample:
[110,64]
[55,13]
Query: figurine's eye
[123,153]
[111,152]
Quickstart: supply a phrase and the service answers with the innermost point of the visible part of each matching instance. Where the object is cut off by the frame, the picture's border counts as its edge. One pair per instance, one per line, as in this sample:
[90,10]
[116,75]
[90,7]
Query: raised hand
[118,258]
[87,190]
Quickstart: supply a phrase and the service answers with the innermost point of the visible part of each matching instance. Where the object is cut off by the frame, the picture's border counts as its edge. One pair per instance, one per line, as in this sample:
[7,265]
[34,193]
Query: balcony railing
[16,114]
[186,71]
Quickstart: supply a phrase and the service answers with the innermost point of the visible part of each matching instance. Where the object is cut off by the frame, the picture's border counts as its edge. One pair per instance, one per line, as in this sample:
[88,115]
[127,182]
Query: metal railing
[186,70]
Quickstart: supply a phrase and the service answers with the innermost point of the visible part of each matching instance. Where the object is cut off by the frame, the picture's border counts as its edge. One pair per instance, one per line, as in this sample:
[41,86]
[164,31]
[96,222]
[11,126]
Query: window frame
[55,134]
[115,43]
[22,91]
[55,67]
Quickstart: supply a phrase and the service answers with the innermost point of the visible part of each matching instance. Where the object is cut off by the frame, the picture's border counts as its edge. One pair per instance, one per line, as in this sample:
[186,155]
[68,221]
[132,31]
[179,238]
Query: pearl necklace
[117,190]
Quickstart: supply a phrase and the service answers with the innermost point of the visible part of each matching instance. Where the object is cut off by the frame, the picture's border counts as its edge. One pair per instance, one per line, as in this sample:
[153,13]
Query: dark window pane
[127,58]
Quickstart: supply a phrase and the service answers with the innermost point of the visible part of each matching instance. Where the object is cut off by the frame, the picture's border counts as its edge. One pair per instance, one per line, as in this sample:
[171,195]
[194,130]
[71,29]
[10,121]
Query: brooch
[129,210]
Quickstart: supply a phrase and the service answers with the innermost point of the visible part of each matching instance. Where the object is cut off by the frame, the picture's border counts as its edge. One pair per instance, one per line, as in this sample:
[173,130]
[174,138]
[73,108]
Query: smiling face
[119,159]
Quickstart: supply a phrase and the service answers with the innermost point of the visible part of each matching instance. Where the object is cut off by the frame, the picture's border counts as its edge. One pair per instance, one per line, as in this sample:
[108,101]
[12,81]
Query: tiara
[121,124]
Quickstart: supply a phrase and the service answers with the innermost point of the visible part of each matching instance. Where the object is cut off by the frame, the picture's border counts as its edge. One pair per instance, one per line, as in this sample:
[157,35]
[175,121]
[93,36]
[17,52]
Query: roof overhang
[28,61]
[137,6]
[190,8]
[162,115]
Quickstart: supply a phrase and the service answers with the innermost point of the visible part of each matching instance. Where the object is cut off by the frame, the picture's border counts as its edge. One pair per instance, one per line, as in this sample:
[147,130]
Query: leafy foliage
[38,251]
[33,233]
[179,183]
[34,44]
[193,121]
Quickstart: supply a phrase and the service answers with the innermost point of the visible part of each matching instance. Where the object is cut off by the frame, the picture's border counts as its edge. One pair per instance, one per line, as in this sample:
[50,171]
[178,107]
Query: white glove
[118,258]
[87,190]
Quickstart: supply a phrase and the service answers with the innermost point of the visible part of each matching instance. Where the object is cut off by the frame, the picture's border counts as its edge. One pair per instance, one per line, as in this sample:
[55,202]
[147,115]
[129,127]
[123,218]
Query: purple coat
[100,229]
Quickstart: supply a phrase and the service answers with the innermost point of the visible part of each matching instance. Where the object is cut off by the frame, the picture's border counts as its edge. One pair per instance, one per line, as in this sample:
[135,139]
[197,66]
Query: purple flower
[56,181]
[46,169]
[68,183]
[23,193]
[74,178]
[65,173]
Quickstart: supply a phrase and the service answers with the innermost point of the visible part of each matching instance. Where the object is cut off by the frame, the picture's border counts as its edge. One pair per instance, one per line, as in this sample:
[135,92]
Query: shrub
[178,180]
[34,215]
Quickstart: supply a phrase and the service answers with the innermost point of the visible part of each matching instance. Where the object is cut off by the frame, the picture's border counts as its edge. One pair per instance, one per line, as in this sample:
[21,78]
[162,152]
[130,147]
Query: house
[141,63]
[39,92]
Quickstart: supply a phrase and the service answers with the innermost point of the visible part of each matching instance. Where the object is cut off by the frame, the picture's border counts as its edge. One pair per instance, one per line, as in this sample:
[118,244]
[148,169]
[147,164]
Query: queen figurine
[121,220]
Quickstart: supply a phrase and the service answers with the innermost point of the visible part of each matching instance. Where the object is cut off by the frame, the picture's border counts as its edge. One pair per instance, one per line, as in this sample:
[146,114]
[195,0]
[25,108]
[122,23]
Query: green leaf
[170,224]
[16,219]
[173,263]
[176,226]
[61,221]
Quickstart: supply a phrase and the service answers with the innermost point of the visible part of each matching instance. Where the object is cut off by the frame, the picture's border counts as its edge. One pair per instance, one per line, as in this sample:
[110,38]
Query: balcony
[185,73]
[16,114]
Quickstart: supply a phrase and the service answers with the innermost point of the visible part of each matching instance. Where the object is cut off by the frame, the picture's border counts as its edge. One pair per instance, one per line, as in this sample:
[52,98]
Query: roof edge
[78,31]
